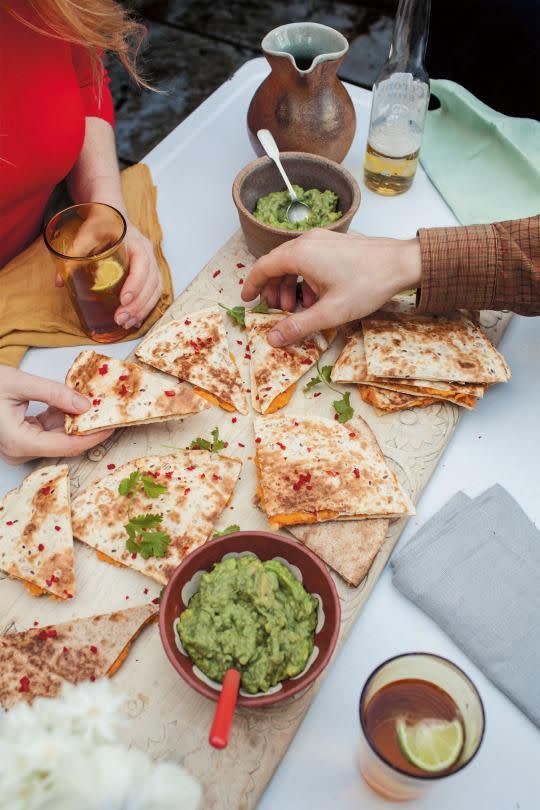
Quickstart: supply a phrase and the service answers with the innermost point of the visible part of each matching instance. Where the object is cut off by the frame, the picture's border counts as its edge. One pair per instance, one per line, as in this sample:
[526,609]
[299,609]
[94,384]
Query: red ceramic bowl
[266,546]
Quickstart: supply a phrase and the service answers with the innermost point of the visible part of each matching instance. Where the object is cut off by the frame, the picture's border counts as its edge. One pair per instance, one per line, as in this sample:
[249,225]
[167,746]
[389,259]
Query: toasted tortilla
[351,367]
[274,372]
[385,401]
[38,661]
[36,541]
[312,470]
[195,349]
[123,393]
[430,347]
[199,486]
[347,547]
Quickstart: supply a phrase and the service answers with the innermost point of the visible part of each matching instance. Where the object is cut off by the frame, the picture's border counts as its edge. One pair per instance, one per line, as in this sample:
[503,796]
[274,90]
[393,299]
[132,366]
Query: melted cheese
[105,558]
[115,666]
[214,400]
[34,590]
[281,400]
[329,334]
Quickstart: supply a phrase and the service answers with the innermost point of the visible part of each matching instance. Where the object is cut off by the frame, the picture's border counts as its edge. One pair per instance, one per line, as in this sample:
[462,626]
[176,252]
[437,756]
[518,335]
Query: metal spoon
[297,211]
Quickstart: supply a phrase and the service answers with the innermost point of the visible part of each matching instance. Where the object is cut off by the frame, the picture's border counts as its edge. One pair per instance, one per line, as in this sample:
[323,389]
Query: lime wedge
[108,274]
[431,745]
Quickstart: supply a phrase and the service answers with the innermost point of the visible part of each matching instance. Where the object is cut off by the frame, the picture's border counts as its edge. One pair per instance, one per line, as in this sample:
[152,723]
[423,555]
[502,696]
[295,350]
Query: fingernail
[275,338]
[79,403]
[121,318]
[129,323]
[126,298]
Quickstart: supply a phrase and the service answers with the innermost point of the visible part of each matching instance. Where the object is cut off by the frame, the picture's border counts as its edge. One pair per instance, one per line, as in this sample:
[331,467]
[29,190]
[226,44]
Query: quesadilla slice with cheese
[123,393]
[37,662]
[150,513]
[195,349]
[450,348]
[36,541]
[274,372]
[311,469]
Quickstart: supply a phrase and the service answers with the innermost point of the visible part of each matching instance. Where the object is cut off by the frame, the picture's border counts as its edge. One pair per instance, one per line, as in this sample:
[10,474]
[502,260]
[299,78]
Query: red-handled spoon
[223,717]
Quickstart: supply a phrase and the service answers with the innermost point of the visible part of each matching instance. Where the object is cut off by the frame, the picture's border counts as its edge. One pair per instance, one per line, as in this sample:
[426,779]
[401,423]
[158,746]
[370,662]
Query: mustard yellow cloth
[33,312]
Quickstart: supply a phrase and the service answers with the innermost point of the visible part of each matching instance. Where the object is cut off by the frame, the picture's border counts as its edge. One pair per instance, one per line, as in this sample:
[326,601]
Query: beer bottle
[399,104]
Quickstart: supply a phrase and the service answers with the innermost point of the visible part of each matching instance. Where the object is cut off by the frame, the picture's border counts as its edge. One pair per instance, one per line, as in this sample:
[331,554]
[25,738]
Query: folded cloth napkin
[475,568]
[33,312]
[486,165]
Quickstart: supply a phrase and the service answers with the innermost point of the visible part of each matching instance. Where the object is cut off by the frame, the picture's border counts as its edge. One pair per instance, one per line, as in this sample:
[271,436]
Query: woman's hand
[345,277]
[25,437]
[142,288]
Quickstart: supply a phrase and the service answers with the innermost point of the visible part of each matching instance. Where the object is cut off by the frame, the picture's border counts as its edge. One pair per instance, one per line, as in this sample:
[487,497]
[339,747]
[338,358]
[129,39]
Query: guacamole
[272,209]
[252,616]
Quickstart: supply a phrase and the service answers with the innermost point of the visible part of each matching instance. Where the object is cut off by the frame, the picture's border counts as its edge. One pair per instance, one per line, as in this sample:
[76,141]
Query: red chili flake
[240,265]
[216,477]
[123,377]
[103,369]
[247,356]
[187,322]
[191,467]
[41,547]
[216,273]
[258,439]
[127,597]
[241,445]
[52,580]
[317,394]
[9,523]
[57,529]
[309,486]
[111,466]
[332,473]
[194,345]
[187,489]
[92,678]
[306,361]
[145,591]
[296,424]
[155,601]
[309,449]
[234,419]
[356,472]
[170,393]
[96,402]
[239,342]
[280,444]
[168,474]
[154,474]
[240,280]
[45,490]
[225,445]
[65,650]
[133,557]
[202,475]
[352,435]
[123,390]
[336,416]
[93,648]
[44,634]
[303,478]
[36,623]
[24,684]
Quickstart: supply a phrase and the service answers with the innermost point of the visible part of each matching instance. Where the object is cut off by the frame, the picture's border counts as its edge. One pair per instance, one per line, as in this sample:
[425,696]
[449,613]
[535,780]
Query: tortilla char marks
[85,369]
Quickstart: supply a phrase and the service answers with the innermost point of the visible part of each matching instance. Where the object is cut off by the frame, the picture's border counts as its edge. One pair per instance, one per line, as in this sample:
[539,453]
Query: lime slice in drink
[431,745]
[108,274]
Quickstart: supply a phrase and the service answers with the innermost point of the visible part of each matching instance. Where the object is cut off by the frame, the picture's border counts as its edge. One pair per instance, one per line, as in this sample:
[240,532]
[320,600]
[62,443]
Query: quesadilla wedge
[274,372]
[195,349]
[312,469]
[166,507]
[430,347]
[351,367]
[38,661]
[385,401]
[124,393]
[36,541]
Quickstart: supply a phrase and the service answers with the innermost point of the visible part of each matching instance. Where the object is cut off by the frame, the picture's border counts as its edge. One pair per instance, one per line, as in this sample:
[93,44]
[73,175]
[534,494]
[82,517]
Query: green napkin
[486,165]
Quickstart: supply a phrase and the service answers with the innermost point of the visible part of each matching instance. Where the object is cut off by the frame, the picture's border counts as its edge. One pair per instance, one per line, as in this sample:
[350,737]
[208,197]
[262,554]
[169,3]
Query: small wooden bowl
[261,176]
[265,546]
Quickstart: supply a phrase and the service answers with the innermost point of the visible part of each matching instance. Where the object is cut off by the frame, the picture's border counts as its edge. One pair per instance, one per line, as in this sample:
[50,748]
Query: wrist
[410,265]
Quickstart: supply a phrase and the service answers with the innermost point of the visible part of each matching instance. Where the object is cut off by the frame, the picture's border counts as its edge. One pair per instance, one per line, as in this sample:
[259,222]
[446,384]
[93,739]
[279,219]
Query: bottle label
[397,115]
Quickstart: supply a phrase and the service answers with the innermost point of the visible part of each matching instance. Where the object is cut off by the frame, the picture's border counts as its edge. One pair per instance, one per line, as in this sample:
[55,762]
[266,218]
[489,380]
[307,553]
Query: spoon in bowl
[297,211]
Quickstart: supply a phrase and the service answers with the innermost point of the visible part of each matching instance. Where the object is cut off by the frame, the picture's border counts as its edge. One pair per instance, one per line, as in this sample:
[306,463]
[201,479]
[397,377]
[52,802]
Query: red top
[46,91]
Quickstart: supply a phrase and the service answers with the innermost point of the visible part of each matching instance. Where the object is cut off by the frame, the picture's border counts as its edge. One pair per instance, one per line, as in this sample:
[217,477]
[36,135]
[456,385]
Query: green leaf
[127,485]
[344,408]
[145,521]
[204,444]
[312,383]
[262,306]
[201,444]
[217,444]
[325,373]
[238,314]
[151,488]
[154,544]
[229,530]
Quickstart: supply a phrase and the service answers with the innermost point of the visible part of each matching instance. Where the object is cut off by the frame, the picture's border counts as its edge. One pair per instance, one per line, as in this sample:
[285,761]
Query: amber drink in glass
[403,701]
[87,243]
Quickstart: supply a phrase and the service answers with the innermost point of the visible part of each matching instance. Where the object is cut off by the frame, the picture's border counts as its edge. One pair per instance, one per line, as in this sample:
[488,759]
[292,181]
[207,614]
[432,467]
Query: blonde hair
[97,25]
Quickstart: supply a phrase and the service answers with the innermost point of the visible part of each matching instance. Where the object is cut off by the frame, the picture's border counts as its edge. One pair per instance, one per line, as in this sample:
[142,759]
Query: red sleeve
[95,92]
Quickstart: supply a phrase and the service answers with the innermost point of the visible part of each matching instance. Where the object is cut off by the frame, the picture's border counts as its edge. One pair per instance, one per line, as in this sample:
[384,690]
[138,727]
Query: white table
[194,168]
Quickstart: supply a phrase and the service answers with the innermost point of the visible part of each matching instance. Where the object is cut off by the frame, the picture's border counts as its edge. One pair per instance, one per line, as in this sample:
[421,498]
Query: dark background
[193,46]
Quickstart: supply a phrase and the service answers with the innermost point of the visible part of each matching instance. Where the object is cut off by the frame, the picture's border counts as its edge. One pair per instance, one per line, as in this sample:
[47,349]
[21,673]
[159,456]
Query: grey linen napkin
[475,569]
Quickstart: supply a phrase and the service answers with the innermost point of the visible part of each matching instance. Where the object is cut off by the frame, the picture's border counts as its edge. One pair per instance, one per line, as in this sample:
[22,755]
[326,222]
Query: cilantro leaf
[151,488]
[201,444]
[237,314]
[127,485]
[217,444]
[152,544]
[325,373]
[262,307]
[344,408]
[323,376]
[144,521]
[312,383]
[229,530]
[204,444]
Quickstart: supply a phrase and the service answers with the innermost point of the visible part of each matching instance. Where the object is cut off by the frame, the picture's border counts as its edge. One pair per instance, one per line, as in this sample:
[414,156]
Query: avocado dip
[272,209]
[252,616]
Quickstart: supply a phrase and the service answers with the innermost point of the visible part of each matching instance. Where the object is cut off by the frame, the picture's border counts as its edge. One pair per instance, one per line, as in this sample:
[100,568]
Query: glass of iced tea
[421,720]
[87,243]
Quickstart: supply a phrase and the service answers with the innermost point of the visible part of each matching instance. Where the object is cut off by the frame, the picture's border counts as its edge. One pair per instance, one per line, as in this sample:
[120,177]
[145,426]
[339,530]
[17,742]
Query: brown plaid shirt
[481,267]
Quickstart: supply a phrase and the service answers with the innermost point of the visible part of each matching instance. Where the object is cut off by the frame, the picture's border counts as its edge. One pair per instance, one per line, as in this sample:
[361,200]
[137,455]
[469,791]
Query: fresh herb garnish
[229,530]
[204,444]
[145,538]
[342,406]
[151,488]
[127,485]
[238,314]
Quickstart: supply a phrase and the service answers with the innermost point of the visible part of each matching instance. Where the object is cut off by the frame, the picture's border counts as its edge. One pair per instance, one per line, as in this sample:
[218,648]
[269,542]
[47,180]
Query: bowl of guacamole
[262,200]
[254,601]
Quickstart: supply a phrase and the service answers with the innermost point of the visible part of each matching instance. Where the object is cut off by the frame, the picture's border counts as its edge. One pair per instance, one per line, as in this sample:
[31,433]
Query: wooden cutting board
[167,718]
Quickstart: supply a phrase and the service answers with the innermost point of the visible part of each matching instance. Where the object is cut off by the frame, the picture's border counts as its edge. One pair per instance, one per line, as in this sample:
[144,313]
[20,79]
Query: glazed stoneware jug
[302,102]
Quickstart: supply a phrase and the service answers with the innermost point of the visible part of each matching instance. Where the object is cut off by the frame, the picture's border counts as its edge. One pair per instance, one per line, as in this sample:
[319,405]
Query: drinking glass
[381,775]
[87,244]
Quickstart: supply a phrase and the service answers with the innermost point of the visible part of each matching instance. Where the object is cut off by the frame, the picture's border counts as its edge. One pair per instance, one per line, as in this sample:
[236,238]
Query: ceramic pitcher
[302,102]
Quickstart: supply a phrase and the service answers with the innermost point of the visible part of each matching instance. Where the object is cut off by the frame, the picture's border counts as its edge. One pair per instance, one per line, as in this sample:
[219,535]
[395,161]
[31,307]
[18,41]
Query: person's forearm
[481,267]
[95,176]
